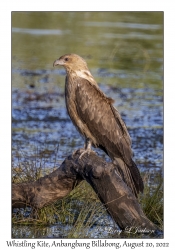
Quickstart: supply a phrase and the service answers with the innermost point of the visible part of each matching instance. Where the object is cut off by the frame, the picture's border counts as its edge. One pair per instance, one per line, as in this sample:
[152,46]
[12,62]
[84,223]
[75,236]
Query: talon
[87,148]
[85,151]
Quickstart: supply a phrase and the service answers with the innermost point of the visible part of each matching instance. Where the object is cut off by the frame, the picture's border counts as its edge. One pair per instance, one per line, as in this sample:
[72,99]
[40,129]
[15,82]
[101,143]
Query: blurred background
[124,52]
[115,41]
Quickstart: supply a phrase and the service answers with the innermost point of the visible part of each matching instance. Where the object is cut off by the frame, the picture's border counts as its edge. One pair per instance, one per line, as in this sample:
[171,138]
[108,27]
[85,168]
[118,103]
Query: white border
[5,95]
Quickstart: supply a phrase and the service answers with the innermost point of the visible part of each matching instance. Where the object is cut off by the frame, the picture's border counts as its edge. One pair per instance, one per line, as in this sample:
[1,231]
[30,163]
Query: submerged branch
[119,201]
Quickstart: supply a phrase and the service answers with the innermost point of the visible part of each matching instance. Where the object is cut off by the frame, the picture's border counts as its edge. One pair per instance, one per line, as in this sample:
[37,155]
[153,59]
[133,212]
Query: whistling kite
[95,117]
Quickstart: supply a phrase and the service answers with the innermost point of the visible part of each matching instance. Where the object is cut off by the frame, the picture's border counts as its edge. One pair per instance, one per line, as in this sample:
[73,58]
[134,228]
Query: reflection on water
[124,52]
[39,32]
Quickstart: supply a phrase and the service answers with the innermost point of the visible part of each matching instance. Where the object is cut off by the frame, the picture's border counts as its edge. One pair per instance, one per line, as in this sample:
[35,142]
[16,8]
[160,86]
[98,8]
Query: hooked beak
[58,62]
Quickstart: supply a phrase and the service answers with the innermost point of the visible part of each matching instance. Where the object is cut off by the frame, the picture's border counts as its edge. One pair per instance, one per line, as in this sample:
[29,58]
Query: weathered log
[102,176]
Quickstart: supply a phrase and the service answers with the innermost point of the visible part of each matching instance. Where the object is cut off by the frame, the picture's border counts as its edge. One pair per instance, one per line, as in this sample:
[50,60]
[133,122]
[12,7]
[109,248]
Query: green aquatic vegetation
[81,210]
[152,199]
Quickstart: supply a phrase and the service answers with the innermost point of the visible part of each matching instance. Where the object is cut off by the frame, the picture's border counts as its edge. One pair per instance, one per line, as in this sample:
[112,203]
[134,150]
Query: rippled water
[43,123]
[124,52]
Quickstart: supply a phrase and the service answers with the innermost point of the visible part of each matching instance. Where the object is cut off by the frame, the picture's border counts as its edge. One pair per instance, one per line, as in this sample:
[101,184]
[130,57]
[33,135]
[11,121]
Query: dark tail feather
[137,177]
[130,175]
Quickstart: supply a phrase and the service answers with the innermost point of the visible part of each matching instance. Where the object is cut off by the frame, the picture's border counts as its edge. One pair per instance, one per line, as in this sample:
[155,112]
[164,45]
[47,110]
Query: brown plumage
[95,117]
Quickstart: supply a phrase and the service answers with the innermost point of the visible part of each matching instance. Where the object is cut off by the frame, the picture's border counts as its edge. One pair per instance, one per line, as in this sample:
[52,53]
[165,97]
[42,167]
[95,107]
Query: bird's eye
[66,59]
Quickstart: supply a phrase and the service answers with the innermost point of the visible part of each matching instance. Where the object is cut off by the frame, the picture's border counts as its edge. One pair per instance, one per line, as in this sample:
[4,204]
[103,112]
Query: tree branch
[102,176]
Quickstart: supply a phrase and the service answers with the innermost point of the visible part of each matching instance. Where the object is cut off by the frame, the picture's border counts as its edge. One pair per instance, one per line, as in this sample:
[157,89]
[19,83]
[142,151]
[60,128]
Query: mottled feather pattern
[103,120]
[95,117]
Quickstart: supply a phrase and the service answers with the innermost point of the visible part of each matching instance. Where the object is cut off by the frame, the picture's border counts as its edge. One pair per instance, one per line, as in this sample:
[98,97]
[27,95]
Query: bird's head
[76,65]
[71,62]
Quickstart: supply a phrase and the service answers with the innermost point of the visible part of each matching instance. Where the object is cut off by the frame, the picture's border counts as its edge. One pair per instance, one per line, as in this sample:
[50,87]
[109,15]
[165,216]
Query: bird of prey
[97,120]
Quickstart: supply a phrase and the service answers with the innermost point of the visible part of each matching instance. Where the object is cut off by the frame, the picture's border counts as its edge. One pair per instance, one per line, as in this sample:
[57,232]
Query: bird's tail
[130,175]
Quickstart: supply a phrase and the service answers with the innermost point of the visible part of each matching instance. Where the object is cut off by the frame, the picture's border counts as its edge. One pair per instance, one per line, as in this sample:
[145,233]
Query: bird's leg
[88,144]
[87,147]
